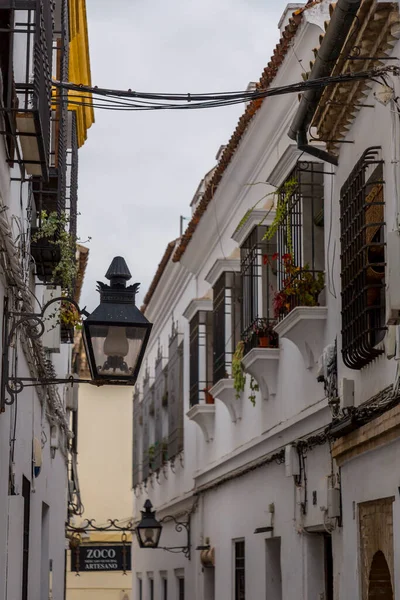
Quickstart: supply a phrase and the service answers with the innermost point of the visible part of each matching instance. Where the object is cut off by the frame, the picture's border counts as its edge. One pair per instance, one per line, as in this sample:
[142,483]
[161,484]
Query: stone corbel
[305,327]
[263,365]
[204,416]
[225,392]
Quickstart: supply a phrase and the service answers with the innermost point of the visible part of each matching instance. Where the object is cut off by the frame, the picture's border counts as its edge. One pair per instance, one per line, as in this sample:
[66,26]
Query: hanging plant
[282,213]
[53,229]
[254,388]
[69,315]
[239,378]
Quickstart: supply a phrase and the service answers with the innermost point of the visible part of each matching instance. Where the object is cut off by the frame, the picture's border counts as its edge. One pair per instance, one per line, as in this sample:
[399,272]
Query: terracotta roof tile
[156,279]
[266,79]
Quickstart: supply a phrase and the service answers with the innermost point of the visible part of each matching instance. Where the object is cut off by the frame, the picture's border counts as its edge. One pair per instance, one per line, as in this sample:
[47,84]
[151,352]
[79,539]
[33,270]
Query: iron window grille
[226,323]
[160,444]
[240,574]
[258,280]
[175,395]
[148,427]
[201,356]
[363,261]
[300,236]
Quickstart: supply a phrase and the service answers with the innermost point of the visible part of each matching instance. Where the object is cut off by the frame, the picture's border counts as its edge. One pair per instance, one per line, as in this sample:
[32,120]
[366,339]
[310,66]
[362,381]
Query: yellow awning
[79,67]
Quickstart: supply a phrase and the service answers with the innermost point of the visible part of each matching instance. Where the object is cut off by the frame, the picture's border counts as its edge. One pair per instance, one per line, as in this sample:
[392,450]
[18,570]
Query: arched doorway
[380,584]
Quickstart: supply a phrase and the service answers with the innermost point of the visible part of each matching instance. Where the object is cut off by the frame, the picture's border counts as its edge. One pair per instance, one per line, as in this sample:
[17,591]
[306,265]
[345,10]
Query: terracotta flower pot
[263,341]
[208,397]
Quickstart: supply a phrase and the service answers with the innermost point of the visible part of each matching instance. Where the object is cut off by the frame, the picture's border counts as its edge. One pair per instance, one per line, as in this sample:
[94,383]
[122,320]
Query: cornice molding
[195,306]
[222,265]
[254,219]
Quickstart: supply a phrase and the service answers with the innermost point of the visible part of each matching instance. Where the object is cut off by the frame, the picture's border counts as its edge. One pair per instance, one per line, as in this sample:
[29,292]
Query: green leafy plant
[239,378]
[254,388]
[54,229]
[69,315]
[165,450]
[282,212]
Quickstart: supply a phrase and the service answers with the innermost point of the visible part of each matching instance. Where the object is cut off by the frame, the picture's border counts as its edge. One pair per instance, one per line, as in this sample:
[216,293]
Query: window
[160,447]
[164,586]
[151,589]
[240,580]
[148,427]
[363,261]
[258,275]
[226,323]
[45,560]
[140,588]
[300,238]
[273,568]
[201,356]
[26,494]
[175,394]
[181,588]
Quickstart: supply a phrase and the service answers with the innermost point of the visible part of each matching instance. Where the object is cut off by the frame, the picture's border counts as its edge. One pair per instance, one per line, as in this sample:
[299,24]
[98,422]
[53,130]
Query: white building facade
[291,258]
[38,182]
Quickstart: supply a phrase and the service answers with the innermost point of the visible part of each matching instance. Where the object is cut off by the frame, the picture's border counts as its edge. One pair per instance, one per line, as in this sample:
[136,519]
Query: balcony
[305,327]
[27,86]
[300,317]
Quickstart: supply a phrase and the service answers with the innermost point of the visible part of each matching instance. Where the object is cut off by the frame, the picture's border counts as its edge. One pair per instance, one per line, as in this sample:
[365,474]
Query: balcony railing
[300,287]
[260,334]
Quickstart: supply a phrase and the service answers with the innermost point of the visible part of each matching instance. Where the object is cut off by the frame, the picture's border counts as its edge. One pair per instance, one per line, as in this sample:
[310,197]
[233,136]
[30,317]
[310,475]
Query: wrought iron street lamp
[115,336]
[116,333]
[148,531]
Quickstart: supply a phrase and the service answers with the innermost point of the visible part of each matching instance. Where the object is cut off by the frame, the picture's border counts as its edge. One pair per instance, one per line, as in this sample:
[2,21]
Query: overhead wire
[129,100]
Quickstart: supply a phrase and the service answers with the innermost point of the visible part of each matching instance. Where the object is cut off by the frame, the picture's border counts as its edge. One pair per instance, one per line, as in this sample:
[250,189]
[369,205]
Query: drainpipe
[328,53]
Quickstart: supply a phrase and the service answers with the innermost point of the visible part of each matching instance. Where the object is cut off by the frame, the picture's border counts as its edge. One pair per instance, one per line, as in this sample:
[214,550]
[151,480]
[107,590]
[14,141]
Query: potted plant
[301,287]
[266,336]
[69,319]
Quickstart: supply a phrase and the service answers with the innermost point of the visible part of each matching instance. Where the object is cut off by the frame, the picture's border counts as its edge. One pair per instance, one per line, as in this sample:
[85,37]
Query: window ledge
[262,364]
[305,326]
[204,416]
[225,392]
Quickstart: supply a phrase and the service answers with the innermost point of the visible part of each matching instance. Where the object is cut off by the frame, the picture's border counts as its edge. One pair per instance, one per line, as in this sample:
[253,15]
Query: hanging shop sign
[101,558]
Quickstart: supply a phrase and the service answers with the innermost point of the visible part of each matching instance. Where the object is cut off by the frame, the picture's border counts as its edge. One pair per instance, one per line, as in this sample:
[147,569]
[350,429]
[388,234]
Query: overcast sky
[138,171]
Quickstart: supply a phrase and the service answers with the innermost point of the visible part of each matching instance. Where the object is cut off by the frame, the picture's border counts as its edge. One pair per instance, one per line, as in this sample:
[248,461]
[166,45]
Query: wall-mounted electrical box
[292,464]
[346,392]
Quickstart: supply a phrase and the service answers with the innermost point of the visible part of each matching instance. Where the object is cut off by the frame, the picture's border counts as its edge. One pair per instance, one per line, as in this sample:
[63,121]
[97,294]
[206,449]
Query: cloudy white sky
[139,171]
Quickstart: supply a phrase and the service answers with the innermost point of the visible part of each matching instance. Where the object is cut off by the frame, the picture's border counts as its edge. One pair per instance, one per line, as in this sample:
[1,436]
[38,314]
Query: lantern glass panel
[116,348]
[149,536]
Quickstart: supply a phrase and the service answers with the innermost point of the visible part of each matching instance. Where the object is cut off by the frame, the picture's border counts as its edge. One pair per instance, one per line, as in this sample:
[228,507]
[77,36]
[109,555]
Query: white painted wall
[234,510]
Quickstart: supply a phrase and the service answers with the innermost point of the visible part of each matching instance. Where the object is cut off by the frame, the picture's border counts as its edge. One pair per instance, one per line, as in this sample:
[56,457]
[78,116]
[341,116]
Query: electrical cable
[111,99]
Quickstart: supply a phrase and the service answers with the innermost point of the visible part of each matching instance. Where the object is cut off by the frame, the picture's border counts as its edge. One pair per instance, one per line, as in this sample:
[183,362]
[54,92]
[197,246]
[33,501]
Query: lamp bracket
[179,526]
[35,328]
